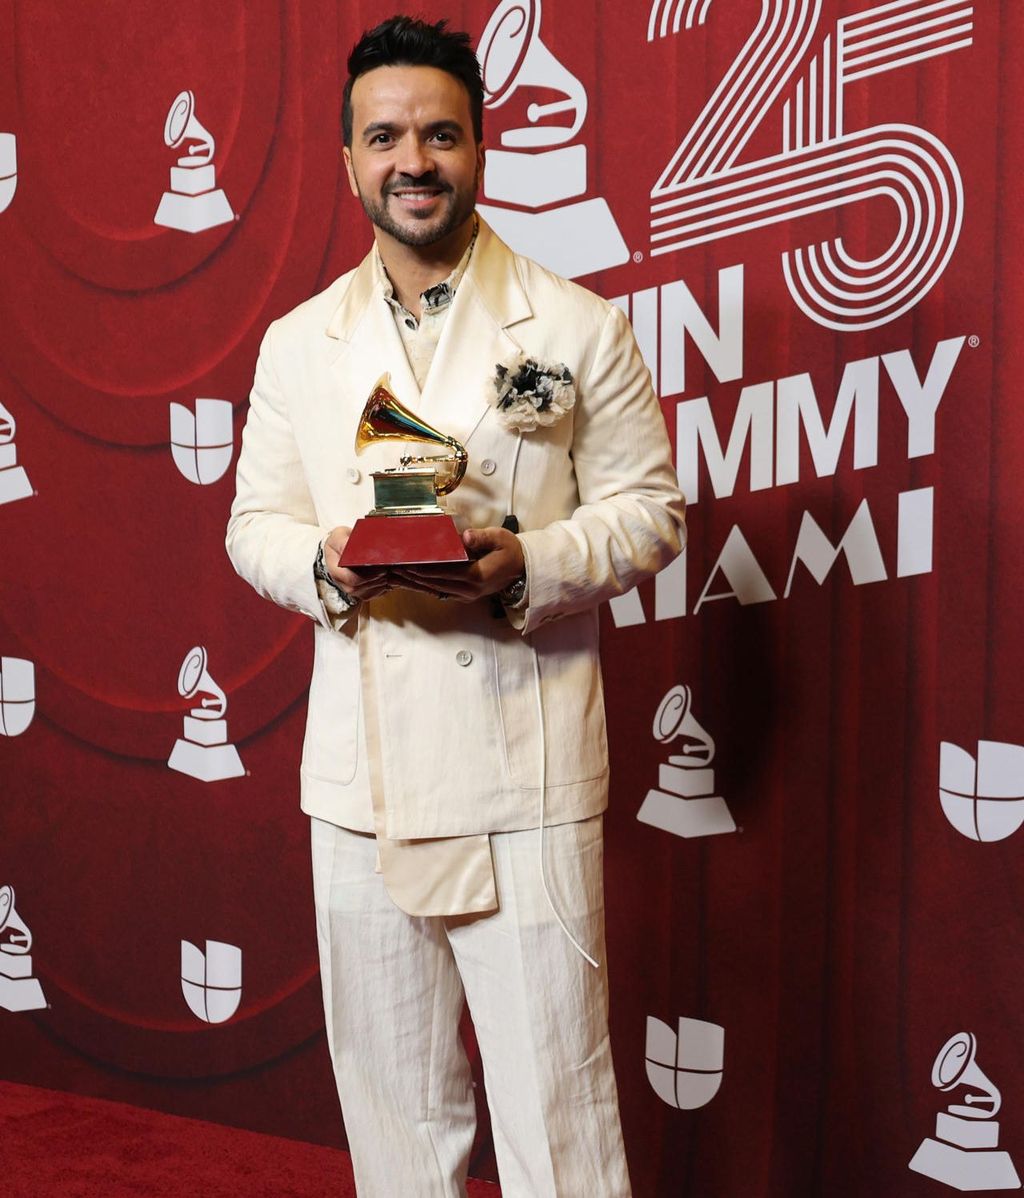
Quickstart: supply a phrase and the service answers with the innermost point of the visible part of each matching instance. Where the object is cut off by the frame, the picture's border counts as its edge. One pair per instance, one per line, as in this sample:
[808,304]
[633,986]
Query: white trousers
[394,987]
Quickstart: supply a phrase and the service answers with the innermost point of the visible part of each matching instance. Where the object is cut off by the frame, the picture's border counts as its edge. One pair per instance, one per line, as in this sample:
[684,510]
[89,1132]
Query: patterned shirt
[420,337]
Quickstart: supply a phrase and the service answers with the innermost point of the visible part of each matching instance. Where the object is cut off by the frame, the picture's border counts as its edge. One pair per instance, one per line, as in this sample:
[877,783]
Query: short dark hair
[409,42]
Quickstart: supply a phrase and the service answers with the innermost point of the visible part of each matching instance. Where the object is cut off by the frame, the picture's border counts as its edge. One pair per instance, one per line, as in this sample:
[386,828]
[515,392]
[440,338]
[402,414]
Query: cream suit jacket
[446,689]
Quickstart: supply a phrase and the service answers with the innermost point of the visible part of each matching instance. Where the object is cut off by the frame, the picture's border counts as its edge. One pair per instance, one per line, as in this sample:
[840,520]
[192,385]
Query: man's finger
[452,591]
[411,583]
[486,540]
[370,590]
[351,579]
[435,573]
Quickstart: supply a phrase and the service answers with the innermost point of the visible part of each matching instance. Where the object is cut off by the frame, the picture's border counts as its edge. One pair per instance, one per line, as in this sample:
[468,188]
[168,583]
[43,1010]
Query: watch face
[514,591]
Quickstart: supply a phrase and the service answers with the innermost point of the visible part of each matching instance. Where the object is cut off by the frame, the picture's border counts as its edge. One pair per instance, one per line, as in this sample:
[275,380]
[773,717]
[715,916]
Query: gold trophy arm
[456,463]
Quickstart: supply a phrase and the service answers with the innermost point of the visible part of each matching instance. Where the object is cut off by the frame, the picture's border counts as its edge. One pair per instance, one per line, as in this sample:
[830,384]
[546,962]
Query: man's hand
[497,560]
[364,583]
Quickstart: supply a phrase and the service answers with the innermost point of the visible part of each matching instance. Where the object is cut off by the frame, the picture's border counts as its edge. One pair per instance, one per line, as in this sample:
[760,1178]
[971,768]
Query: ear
[347,155]
[481,157]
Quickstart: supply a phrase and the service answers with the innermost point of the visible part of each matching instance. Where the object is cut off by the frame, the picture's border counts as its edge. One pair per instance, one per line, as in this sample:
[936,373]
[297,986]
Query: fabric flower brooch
[530,393]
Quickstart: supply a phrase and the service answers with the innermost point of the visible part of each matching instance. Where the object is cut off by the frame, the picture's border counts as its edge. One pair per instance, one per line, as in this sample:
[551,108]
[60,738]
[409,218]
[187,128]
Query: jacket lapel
[459,388]
[369,345]
[490,299]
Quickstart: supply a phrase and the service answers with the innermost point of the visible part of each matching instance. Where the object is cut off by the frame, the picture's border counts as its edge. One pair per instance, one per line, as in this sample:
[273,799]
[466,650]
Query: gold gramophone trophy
[406,525]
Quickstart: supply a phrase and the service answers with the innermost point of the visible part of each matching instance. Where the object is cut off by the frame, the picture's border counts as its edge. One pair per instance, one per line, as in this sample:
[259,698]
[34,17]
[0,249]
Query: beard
[420,229]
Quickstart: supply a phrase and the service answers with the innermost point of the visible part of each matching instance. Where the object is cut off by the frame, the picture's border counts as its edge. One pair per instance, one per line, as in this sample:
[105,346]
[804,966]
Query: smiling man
[455,762]
[420,190]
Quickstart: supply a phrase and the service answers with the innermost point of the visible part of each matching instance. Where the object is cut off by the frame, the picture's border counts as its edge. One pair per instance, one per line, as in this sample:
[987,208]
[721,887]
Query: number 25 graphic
[704,194]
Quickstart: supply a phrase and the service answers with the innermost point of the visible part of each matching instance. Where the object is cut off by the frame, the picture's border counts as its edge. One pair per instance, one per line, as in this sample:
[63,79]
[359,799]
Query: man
[455,760]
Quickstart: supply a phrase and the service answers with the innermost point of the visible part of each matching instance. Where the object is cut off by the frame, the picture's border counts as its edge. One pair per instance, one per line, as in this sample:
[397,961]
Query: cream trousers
[394,987]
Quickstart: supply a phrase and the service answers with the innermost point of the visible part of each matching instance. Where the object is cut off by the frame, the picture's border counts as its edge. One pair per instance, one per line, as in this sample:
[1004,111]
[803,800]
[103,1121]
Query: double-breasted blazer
[452,689]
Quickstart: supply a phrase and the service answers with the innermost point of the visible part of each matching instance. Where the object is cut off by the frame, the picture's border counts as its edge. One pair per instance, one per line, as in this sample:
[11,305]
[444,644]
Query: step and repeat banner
[810,212]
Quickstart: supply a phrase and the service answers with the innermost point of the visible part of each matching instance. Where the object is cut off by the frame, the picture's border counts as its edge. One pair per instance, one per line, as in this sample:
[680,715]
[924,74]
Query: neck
[414,268]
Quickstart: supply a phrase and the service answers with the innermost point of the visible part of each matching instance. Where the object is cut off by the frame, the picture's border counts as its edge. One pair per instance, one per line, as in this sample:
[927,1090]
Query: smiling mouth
[411,193]
[419,203]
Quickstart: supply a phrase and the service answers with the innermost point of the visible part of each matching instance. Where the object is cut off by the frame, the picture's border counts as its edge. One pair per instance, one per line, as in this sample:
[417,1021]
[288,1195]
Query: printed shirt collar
[434,298]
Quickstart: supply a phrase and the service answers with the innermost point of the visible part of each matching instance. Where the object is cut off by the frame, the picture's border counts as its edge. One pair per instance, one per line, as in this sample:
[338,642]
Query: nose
[414,158]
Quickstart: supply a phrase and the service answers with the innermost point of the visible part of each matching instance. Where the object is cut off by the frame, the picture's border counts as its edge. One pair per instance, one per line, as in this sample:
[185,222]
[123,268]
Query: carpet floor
[58,1145]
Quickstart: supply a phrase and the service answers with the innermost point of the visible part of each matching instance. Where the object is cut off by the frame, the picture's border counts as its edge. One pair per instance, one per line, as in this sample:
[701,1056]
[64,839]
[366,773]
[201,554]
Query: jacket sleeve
[273,535]
[631,519]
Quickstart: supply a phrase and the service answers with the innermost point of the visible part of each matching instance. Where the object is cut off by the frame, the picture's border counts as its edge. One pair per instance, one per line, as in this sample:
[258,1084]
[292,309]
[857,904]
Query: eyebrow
[433,127]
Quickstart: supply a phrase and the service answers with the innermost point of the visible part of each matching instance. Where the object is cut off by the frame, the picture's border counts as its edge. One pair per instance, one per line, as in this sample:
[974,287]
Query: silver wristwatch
[336,594]
[515,592]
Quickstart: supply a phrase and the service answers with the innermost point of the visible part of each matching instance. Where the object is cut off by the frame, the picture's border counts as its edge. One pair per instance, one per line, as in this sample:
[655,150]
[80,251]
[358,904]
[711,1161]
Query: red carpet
[58,1145]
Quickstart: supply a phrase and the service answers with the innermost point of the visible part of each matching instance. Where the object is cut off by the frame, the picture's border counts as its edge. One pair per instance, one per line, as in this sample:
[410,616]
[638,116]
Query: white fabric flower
[532,393]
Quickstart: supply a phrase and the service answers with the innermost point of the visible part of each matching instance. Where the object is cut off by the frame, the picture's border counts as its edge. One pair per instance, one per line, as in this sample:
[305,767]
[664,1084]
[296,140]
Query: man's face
[413,161]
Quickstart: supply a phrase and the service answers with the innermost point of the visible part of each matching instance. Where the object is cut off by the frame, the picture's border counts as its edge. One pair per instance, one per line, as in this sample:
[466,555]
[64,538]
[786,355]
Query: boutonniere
[530,393]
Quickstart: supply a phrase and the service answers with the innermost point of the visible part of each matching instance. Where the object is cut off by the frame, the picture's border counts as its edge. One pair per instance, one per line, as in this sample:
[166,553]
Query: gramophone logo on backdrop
[983,798]
[542,171]
[685,1067]
[19,990]
[202,751]
[8,169]
[17,695]
[202,442]
[964,1153]
[194,202]
[707,193]
[14,482]
[686,804]
[211,982]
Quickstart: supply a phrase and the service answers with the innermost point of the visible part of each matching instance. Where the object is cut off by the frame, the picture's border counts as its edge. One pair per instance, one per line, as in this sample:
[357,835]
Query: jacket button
[488,466]
[463,657]
[352,474]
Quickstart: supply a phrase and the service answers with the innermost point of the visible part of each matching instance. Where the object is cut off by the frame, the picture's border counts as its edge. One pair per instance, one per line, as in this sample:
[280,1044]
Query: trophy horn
[386,418]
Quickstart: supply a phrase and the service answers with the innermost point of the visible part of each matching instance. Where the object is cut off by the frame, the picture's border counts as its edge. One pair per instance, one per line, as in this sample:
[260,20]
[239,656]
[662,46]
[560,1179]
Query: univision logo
[8,169]
[983,797]
[17,695]
[685,1066]
[202,442]
[212,981]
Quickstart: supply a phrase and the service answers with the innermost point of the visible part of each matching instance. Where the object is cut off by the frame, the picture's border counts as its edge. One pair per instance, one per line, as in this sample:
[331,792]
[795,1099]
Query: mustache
[411,183]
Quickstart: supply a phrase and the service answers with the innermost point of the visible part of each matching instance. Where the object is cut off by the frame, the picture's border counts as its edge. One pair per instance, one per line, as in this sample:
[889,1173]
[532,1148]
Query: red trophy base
[403,541]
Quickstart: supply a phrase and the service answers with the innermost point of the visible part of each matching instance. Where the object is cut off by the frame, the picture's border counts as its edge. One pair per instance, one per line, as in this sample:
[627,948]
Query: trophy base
[403,541]
[193,213]
[208,763]
[21,994]
[965,1169]
[706,816]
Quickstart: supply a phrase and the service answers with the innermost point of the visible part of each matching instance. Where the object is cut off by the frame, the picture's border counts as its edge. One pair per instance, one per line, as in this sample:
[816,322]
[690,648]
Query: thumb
[481,540]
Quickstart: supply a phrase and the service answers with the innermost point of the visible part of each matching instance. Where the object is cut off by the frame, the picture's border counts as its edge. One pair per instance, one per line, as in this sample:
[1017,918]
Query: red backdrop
[848,927]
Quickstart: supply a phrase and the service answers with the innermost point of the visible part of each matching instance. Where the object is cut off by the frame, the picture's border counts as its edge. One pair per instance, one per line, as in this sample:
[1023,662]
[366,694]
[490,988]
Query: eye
[380,139]
[445,137]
